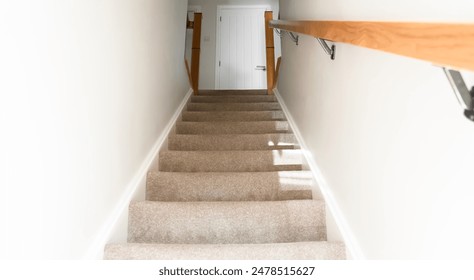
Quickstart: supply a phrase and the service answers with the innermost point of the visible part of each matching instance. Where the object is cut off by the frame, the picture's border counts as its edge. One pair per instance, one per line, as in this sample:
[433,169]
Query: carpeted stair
[231,185]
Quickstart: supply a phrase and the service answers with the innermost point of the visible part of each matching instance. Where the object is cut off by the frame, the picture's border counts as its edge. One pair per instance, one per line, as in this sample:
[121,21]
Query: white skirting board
[115,228]
[353,249]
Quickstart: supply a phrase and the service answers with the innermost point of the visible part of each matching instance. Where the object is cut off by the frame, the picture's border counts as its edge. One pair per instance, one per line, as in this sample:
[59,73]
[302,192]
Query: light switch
[207,38]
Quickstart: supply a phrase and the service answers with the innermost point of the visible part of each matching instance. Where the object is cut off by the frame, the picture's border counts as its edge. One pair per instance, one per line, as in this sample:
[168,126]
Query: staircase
[231,185]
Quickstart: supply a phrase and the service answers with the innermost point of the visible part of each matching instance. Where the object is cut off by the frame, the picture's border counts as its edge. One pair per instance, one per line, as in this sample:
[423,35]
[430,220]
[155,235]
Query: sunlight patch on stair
[279,144]
[287,157]
[295,180]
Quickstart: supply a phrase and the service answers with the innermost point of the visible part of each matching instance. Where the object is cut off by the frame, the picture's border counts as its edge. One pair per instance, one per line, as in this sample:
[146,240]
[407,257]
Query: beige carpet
[231,185]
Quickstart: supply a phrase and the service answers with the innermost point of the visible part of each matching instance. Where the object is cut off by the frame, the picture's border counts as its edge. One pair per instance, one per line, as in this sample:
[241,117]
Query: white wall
[86,89]
[386,132]
[208,35]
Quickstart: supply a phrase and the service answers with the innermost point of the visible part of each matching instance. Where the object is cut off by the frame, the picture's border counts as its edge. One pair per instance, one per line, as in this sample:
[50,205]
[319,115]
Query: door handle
[261,67]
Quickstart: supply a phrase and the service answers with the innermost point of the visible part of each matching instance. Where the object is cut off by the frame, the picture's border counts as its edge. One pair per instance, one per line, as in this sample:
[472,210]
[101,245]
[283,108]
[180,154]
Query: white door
[240,55]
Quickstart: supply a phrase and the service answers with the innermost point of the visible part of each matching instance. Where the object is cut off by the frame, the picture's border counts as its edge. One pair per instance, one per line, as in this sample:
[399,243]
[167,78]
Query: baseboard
[113,223]
[350,242]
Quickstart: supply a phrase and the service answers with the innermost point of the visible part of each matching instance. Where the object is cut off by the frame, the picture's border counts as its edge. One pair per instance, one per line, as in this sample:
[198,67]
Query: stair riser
[233,116]
[226,222]
[231,142]
[233,99]
[225,107]
[252,186]
[230,161]
[264,127]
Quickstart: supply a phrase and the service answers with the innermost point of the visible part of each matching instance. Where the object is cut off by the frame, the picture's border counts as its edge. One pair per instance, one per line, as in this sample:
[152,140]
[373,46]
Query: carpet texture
[231,185]
[231,142]
[232,107]
[218,128]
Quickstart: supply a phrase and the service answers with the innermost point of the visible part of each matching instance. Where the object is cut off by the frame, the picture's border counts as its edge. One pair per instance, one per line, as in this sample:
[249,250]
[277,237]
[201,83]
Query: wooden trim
[196,52]
[277,73]
[270,52]
[268,30]
[197,31]
[270,71]
[195,61]
[440,43]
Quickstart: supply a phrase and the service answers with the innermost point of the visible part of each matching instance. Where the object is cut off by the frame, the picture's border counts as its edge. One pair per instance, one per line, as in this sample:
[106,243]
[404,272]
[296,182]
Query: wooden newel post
[196,47]
[270,50]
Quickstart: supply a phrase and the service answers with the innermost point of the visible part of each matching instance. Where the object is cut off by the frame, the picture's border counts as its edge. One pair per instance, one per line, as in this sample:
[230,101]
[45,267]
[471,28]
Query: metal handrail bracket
[278,32]
[293,37]
[463,94]
[331,51]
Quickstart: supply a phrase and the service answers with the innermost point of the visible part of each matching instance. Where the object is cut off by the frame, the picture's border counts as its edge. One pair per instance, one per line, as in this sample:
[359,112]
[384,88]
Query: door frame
[218,33]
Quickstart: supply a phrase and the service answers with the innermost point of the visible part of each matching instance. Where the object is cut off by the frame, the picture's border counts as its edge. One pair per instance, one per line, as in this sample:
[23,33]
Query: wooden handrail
[440,43]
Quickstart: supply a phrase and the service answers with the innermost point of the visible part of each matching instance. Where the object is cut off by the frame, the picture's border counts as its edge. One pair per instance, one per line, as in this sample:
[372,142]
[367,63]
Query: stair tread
[222,127]
[234,116]
[226,222]
[262,106]
[228,142]
[223,161]
[320,250]
[231,186]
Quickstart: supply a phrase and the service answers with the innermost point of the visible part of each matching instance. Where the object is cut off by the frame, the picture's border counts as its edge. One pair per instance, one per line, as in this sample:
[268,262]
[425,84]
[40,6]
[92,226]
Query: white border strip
[349,238]
[96,250]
